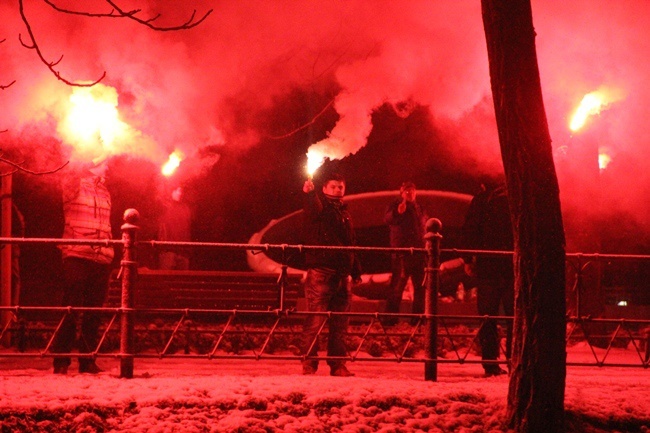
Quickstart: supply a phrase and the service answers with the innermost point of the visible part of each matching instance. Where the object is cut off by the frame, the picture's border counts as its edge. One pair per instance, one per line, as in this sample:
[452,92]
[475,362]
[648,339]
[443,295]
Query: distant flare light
[604,158]
[591,104]
[172,163]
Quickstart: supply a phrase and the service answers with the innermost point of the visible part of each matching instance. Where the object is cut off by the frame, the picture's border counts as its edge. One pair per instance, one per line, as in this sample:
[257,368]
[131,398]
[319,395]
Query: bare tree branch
[118,12]
[15,170]
[301,127]
[32,44]
[50,65]
[84,13]
[5,86]
[20,167]
[190,23]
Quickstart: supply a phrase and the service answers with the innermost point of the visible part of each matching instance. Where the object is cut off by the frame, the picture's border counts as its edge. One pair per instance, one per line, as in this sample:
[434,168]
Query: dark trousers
[492,293]
[326,291]
[86,285]
[405,266]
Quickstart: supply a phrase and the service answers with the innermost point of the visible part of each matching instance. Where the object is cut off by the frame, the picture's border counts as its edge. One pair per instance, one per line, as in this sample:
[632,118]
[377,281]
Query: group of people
[330,272]
[327,287]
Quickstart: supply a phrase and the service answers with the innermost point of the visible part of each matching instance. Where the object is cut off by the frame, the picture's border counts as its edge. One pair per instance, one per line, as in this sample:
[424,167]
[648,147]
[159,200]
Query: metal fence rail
[430,338]
[271,335]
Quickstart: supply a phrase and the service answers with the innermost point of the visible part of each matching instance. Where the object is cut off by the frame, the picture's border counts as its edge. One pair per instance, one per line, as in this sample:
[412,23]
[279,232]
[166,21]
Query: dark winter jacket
[328,222]
[488,227]
[406,229]
[175,225]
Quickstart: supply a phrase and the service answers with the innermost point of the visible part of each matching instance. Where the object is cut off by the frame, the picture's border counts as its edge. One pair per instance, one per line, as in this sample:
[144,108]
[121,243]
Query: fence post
[128,270]
[432,271]
[6,259]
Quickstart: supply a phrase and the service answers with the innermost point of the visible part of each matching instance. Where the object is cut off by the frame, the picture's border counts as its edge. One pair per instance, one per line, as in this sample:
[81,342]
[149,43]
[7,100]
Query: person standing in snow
[327,287]
[86,268]
[175,226]
[488,227]
[405,219]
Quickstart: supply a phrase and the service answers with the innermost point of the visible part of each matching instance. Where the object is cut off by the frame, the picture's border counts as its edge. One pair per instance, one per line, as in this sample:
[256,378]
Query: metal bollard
[128,270]
[432,244]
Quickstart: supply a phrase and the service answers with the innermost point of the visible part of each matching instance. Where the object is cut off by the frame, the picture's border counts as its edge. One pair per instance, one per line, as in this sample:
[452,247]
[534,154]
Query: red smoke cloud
[188,89]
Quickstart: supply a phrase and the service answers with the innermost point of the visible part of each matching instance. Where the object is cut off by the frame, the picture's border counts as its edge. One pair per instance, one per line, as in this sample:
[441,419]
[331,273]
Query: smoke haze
[206,90]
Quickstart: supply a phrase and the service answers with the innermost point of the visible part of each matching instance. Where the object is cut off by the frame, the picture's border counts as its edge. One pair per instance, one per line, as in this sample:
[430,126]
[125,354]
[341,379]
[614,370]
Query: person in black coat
[327,222]
[405,220]
[488,227]
[175,225]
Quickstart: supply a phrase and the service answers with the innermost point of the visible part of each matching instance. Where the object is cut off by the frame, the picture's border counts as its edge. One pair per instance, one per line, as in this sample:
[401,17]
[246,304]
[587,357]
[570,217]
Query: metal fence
[430,338]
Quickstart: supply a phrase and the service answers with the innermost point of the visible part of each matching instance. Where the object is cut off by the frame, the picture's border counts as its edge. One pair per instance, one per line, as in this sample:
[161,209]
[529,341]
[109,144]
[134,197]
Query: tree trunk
[536,391]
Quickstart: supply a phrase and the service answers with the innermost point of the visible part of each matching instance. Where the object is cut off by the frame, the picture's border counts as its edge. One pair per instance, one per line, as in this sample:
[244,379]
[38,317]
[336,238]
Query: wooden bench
[207,290]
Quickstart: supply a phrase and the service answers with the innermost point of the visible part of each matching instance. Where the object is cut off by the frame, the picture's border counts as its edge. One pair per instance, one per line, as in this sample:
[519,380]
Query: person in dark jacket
[327,222]
[87,212]
[488,227]
[406,220]
[175,226]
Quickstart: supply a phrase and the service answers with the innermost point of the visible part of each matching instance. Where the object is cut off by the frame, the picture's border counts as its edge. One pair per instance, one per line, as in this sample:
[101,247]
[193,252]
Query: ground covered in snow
[178,395]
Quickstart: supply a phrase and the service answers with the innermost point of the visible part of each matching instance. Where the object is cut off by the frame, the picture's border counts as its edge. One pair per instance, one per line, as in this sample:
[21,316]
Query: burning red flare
[592,104]
[314,160]
[172,163]
[329,148]
[604,158]
[91,123]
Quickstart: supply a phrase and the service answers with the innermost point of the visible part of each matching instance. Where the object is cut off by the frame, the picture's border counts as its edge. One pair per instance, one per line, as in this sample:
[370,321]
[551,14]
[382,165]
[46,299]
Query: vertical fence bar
[432,244]
[128,271]
[578,288]
[282,280]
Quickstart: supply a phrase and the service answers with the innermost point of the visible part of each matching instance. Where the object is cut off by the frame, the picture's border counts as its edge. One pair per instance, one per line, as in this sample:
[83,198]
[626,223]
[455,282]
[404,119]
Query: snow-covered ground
[174,395]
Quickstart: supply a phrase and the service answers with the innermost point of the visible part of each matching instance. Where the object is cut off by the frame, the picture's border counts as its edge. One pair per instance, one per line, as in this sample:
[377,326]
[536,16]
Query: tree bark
[537,381]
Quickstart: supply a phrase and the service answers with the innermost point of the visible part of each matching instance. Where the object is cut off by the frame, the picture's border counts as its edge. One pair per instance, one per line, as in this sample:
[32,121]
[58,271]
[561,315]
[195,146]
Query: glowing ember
[172,163]
[314,160]
[92,122]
